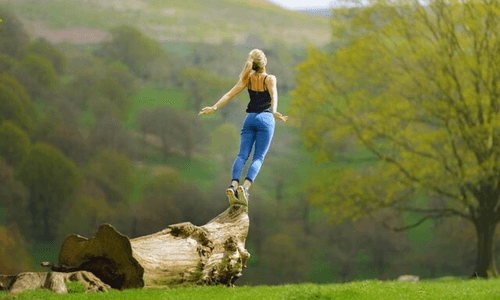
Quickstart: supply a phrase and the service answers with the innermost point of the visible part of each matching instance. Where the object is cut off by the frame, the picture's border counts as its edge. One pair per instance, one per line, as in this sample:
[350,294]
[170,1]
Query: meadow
[445,288]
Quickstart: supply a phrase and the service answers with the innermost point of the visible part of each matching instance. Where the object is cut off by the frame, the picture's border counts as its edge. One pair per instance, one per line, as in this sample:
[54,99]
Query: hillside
[177,20]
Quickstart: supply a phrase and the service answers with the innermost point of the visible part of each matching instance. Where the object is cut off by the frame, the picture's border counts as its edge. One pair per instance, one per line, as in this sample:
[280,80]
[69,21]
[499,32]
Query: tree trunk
[210,254]
[486,257]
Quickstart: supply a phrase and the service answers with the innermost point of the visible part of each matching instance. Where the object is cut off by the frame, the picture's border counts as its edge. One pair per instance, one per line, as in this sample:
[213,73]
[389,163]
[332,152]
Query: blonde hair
[256,62]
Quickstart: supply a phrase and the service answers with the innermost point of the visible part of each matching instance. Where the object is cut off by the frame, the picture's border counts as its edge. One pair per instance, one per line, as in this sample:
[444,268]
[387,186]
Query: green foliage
[13,36]
[37,75]
[14,143]
[110,89]
[13,109]
[203,86]
[15,257]
[123,76]
[133,48]
[224,145]
[413,99]
[45,49]
[7,63]
[19,90]
[52,179]
[114,173]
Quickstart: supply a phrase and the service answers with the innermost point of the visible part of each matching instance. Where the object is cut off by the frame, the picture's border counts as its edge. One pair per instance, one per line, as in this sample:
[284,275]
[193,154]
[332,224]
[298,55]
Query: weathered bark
[210,254]
[53,281]
[486,257]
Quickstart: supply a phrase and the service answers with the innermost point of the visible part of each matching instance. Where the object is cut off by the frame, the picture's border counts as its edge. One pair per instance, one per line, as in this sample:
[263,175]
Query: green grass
[154,97]
[369,290]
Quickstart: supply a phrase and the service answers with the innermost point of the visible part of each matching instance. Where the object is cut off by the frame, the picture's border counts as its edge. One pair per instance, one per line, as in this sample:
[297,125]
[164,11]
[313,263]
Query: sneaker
[232,195]
[243,192]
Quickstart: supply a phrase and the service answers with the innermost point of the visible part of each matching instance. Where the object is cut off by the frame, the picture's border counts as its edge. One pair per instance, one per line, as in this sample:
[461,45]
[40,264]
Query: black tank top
[259,101]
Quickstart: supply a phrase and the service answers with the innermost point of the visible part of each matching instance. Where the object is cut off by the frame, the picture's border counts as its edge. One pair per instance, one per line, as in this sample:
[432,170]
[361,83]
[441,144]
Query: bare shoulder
[271,80]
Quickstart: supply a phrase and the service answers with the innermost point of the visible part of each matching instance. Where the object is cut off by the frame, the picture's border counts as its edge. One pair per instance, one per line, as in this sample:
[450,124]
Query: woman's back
[260,98]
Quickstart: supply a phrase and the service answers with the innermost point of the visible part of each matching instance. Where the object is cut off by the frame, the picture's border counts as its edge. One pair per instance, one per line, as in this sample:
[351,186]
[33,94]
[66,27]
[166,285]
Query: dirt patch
[75,35]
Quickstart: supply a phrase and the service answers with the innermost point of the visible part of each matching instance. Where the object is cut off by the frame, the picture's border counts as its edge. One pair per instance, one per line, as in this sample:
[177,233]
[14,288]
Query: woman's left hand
[207,111]
[281,117]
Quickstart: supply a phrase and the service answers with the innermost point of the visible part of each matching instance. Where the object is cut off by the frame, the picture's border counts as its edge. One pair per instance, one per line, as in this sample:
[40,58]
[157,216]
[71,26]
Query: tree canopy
[417,95]
[52,180]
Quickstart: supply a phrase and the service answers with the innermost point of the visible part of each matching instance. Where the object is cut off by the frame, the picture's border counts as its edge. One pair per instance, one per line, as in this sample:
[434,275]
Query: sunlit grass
[152,97]
[364,290]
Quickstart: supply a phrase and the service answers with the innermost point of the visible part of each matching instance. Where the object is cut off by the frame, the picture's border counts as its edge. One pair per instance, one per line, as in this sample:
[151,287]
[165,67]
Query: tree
[130,46]
[64,135]
[37,75]
[108,132]
[7,63]
[123,76]
[203,86]
[13,198]
[114,173]
[174,128]
[14,144]
[224,145]
[110,88]
[52,180]
[45,49]
[416,97]
[15,257]
[11,108]
[11,83]
[13,36]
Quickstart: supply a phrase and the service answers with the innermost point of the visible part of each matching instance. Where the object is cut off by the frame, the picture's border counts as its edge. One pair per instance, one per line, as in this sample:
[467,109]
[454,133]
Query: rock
[409,278]
[55,281]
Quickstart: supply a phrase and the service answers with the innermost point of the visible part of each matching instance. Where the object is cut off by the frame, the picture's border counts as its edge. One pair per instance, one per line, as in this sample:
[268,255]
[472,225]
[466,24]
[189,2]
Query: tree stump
[210,254]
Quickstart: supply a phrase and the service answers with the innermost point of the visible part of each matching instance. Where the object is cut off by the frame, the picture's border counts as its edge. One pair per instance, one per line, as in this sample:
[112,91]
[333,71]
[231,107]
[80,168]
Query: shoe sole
[231,197]
[244,199]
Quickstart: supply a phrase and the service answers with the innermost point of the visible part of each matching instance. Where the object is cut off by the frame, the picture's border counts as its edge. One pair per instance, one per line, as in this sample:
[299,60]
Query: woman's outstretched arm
[237,89]
[273,91]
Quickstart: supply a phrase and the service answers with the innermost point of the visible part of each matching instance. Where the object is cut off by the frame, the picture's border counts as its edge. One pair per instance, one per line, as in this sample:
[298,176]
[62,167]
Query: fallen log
[210,254]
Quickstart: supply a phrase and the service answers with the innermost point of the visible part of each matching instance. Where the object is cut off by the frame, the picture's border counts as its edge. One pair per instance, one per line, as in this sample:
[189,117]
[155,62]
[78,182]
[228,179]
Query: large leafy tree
[175,129]
[417,94]
[52,180]
[12,108]
[114,173]
[14,143]
[130,46]
[45,49]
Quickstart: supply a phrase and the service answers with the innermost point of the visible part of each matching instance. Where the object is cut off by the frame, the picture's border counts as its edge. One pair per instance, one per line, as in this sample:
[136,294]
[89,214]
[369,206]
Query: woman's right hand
[207,111]
[281,117]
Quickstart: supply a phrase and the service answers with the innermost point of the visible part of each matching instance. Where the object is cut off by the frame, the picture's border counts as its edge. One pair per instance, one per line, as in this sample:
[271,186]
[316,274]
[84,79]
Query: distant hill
[179,20]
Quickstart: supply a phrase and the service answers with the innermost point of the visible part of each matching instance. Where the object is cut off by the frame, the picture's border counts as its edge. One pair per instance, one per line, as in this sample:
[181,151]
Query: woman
[258,126]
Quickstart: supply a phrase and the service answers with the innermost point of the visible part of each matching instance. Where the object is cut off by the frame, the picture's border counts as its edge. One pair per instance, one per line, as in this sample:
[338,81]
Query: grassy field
[369,290]
[185,20]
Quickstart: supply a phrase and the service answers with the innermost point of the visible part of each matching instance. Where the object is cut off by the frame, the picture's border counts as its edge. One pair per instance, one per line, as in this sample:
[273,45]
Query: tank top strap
[264,83]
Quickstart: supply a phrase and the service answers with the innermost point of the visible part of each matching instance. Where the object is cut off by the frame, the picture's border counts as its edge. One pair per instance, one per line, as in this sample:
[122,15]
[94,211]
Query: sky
[302,4]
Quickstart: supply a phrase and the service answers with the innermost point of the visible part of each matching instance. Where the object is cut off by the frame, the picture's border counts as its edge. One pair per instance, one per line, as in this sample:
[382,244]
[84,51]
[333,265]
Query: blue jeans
[258,129]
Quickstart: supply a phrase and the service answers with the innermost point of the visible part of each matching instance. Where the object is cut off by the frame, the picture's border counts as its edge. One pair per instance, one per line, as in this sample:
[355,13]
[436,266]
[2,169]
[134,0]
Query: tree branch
[444,212]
